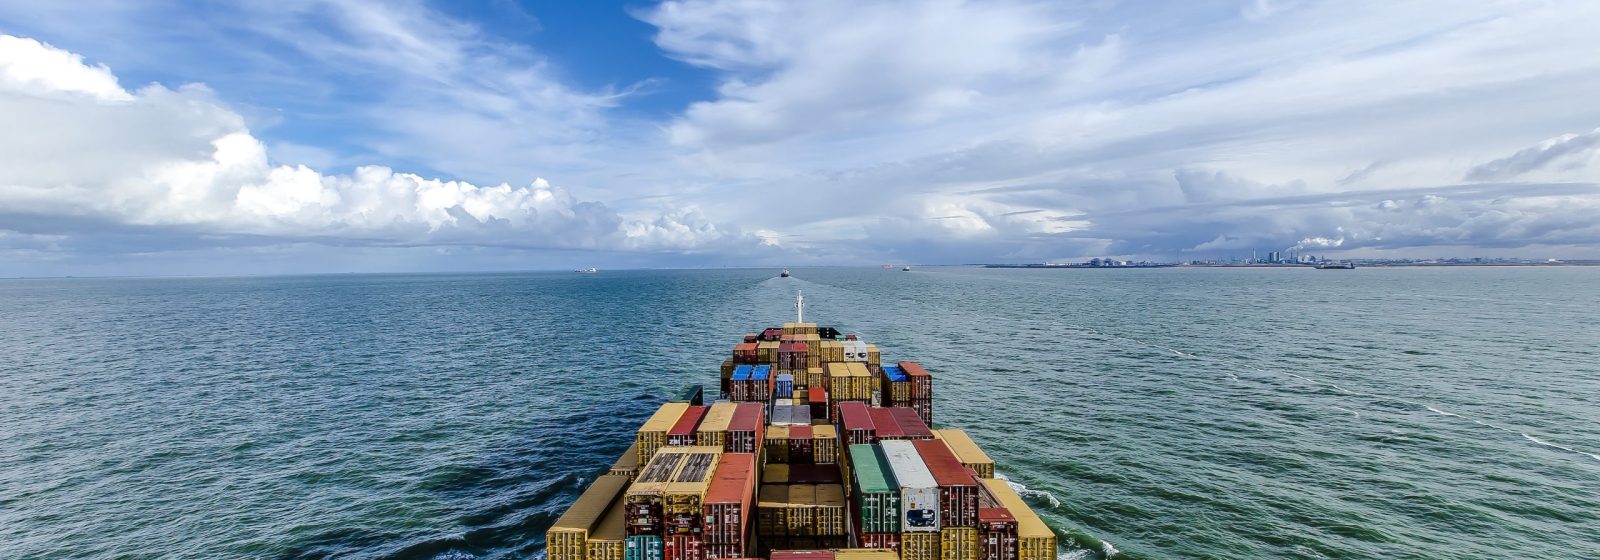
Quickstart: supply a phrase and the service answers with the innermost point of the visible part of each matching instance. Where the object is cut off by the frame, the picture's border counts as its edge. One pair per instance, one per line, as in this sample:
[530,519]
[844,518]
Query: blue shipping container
[761,372]
[741,373]
[894,373]
[645,547]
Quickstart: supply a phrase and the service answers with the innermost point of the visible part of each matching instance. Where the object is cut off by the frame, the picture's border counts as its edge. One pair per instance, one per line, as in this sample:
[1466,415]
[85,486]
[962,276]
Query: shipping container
[921,381]
[802,505]
[919,546]
[746,429]
[1035,540]
[745,353]
[684,547]
[770,335]
[684,496]
[895,386]
[924,408]
[885,541]
[883,420]
[777,444]
[730,501]
[874,491]
[997,534]
[967,451]
[628,464]
[824,443]
[568,538]
[653,434]
[802,555]
[919,492]
[767,352]
[856,422]
[726,552]
[683,431]
[872,355]
[958,487]
[855,351]
[713,430]
[739,383]
[800,447]
[865,554]
[665,499]
[608,540]
[772,510]
[911,423]
[694,395]
[958,543]
[645,547]
[814,474]
[818,398]
[775,473]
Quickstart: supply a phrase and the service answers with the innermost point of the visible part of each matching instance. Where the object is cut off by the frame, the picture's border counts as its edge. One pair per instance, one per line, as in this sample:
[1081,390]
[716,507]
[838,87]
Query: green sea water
[1167,413]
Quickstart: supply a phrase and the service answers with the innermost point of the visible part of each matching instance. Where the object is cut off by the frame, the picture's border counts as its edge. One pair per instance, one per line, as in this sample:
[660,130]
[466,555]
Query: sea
[1390,413]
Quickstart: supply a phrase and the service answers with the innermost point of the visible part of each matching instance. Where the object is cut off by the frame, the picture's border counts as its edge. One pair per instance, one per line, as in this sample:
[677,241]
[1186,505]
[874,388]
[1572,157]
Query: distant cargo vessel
[784,274]
[1337,266]
[590,270]
[815,450]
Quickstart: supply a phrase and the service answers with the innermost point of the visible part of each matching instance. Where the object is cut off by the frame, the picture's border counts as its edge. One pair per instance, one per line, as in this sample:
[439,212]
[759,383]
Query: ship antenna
[799,307]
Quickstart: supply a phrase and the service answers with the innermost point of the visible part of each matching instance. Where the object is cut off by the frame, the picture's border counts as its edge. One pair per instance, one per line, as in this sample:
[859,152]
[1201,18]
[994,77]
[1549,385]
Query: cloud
[1576,149]
[85,148]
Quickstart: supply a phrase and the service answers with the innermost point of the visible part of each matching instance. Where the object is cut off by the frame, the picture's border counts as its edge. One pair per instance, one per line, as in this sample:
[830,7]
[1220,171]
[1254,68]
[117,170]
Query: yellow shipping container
[606,541]
[958,543]
[872,354]
[568,538]
[776,473]
[713,429]
[767,352]
[802,516]
[920,545]
[686,490]
[653,435]
[791,328]
[777,444]
[814,376]
[772,509]
[825,443]
[865,554]
[1035,540]
[628,464]
[831,510]
[967,451]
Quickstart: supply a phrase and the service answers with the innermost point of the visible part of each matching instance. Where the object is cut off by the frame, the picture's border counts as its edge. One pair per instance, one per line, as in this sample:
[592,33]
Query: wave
[1442,412]
[1559,446]
[1024,491]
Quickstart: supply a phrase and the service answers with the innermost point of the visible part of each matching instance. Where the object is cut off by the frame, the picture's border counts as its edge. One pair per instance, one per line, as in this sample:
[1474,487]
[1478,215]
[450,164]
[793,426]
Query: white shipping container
[919,493]
[855,350]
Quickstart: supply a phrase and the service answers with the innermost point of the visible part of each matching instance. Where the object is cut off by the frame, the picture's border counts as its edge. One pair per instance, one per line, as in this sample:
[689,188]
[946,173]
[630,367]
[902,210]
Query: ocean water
[1173,413]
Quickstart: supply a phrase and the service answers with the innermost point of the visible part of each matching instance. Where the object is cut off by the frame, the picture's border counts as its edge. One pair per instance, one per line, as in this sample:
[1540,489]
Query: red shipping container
[888,428]
[815,474]
[685,547]
[924,408]
[958,487]
[800,445]
[725,551]
[745,430]
[751,337]
[744,353]
[911,424]
[802,555]
[889,541]
[856,424]
[682,433]
[729,501]
[771,334]
[997,534]
[921,381]
[819,402]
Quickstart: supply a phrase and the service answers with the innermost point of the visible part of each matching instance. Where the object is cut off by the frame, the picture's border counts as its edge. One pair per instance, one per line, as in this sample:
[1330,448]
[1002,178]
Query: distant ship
[907,268]
[590,270]
[784,274]
[1336,266]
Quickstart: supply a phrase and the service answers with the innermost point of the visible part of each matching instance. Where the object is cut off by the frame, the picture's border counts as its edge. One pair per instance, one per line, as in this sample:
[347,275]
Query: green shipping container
[874,489]
[645,547]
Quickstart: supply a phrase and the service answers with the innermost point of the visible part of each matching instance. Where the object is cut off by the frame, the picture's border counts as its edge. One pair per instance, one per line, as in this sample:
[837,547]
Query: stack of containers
[746,430]
[967,451]
[608,541]
[727,374]
[767,351]
[813,344]
[568,539]
[816,377]
[713,429]
[824,444]
[919,501]
[683,431]
[739,383]
[921,390]
[1035,540]
[832,351]
[745,353]
[958,500]
[855,351]
[873,357]
[997,534]
[729,507]
[653,434]
[792,355]
[895,386]
[875,499]
[784,388]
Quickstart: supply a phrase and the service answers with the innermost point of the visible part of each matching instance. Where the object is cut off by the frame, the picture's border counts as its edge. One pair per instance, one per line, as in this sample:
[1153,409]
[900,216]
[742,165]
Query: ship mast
[799,307]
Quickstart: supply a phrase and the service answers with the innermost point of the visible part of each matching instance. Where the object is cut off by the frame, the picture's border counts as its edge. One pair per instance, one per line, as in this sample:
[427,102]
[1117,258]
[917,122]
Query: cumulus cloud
[85,147]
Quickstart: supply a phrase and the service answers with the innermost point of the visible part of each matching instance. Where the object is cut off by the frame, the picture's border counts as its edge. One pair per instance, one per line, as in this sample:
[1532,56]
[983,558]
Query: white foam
[1561,447]
[1358,414]
[1105,546]
[1442,412]
[1024,491]
[1076,554]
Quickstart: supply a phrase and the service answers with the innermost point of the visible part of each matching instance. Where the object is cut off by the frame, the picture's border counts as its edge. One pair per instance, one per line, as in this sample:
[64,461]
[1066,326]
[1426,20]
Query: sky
[143,137]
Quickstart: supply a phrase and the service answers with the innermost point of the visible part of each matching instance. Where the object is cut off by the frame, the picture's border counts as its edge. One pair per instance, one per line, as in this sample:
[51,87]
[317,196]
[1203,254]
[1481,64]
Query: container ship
[815,449]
